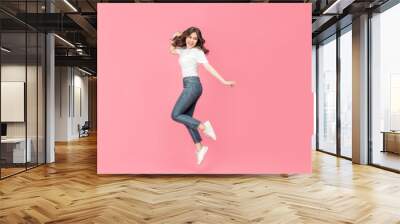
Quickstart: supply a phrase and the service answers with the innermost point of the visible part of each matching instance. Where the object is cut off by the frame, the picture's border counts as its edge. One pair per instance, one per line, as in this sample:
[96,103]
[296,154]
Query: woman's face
[191,40]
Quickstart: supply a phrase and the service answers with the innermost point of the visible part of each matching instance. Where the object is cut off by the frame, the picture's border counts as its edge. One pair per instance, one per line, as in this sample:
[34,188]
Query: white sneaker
[209,131]
[201,153]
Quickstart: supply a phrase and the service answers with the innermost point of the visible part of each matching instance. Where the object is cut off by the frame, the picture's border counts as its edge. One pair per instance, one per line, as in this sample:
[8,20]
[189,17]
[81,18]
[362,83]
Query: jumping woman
[189,45]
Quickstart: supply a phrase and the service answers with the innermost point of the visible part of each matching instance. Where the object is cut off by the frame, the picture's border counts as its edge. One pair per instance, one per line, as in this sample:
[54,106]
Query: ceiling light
[65,41]
[5,49]
[84,71]
[70,5]
[337,7]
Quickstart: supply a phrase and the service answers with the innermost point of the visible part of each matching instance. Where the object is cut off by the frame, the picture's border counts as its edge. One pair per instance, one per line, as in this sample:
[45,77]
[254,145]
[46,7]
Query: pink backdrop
[263,125]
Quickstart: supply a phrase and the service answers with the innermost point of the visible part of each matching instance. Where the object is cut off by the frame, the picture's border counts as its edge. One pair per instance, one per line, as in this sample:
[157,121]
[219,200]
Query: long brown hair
[180,41]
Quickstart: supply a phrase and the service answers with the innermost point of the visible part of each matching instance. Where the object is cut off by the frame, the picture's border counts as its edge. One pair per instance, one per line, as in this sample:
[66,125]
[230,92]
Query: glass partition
[22,77]
[14,153]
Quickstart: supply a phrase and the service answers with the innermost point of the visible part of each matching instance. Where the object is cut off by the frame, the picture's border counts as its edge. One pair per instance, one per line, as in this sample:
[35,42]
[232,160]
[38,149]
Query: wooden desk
[391,141]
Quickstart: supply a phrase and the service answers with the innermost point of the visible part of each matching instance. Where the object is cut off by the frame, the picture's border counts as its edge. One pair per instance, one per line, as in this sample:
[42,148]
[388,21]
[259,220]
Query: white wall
[61,103]
[15,72]
[71,93]
[79,117]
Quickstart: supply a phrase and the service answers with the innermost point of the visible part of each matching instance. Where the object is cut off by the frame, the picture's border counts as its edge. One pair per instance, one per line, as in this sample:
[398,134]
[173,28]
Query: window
[327,95]
[346,92]
[385,88]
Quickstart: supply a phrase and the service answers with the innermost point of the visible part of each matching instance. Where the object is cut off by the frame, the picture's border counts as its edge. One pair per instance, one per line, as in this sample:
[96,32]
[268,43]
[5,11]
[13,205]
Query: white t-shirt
[188,60]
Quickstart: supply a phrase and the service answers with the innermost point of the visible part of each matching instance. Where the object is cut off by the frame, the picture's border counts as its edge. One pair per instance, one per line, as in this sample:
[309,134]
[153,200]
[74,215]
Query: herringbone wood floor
[70,191]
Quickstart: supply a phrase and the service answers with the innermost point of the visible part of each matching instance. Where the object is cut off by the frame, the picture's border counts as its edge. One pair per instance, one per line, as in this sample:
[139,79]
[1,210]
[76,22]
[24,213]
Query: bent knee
[174,116]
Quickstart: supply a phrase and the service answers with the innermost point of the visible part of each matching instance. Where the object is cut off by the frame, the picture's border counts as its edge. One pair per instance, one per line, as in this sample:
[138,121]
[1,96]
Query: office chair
[84,130]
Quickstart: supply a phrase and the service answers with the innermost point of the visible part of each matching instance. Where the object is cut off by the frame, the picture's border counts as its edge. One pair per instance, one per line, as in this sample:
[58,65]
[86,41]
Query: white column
[360,90]
[50,93]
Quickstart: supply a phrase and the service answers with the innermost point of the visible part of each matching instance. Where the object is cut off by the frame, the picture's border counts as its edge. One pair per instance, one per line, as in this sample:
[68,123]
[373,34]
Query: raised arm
[172,49]
[214,73]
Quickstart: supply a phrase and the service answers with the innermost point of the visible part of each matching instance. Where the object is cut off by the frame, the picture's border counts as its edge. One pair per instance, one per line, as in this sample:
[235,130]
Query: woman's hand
[229,83]
[176,34]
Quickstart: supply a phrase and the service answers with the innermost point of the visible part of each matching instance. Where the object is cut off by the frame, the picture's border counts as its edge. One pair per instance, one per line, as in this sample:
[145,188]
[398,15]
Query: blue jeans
[184,107]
